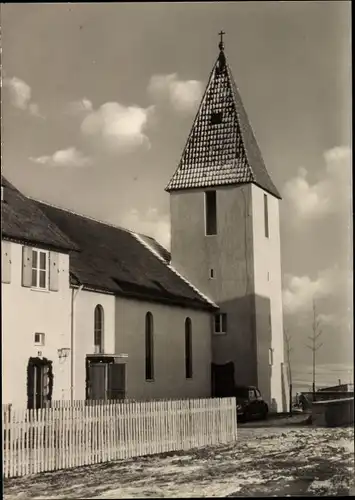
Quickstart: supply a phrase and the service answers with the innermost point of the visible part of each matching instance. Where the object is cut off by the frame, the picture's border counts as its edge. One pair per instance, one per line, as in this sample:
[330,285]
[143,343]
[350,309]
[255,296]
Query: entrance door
[116,381]
[38,384]
[107,380]
[97,374]
[223,385]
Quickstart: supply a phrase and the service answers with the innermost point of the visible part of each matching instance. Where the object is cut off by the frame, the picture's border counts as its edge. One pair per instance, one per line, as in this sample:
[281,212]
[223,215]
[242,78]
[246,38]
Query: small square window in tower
[210,213]
[216,117]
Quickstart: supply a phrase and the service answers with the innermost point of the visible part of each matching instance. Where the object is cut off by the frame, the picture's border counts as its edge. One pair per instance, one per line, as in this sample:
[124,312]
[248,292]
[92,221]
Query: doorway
[39,386]
[106,379]
[223,384]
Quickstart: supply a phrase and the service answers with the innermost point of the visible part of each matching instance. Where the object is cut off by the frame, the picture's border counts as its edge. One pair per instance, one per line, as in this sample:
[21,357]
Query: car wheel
[247,416]
[264,413]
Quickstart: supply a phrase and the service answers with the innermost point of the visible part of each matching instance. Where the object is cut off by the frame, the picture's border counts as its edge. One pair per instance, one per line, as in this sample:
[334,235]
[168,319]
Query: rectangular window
[39,269]
[220,323]
[210,213]
[224,323]
[252,396]
[266,216]
[271,356]
[211,273]
[39,338]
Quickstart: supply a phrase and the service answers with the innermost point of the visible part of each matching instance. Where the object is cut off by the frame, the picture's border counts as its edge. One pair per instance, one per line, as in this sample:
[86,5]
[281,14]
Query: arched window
[99,330]
[188,348]
[149,347]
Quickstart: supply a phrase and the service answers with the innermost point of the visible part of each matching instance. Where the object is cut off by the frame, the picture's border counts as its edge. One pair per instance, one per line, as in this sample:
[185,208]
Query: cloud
[70,157]
[80,107]
[33,108]
[20,96]
[150,223]
[328,319]
[183,95]
[330,194]
[119,127]
[327,374]
[299,291]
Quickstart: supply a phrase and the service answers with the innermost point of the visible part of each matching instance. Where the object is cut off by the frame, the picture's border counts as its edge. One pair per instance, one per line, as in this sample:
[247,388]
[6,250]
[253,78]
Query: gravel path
[265,461]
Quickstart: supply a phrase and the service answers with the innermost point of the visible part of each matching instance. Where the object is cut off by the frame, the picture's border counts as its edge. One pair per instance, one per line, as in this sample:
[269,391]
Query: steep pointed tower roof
[221,148]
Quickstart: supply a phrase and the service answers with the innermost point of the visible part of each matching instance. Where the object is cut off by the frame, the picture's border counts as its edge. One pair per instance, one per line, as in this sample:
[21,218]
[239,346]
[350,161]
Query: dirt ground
[286,460]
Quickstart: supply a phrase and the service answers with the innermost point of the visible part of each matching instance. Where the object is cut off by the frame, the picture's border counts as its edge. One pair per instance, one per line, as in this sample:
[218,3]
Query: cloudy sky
[98,100]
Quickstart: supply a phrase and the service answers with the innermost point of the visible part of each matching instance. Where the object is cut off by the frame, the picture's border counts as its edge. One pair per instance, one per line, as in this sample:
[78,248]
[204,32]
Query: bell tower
[225,235]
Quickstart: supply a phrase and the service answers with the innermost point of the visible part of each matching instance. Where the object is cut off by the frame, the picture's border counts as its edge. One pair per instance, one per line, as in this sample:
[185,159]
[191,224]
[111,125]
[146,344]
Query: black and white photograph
[176,249]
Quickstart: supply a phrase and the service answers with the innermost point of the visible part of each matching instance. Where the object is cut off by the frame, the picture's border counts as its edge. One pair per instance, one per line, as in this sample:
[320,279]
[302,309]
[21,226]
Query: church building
[94,311]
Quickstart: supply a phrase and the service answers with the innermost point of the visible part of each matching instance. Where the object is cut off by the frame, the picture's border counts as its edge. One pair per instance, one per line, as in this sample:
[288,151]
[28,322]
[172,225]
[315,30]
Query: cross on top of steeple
[221,43]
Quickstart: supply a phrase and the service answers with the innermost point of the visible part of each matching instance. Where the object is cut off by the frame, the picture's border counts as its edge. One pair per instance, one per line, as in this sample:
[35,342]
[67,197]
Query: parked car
[250,404]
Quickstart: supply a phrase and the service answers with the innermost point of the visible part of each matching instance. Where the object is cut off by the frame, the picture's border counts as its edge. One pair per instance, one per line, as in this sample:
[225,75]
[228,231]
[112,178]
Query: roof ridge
[202,295]
[89,217]
[234,89]
[52,227]
[237,96]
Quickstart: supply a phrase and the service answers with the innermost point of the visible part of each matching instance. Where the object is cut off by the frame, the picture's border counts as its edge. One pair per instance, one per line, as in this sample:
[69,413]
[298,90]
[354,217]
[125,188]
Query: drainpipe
[72,332]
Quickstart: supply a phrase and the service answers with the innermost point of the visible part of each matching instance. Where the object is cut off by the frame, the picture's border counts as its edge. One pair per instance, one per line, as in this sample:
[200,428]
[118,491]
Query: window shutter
[53,272]
[6,261]
[27,266]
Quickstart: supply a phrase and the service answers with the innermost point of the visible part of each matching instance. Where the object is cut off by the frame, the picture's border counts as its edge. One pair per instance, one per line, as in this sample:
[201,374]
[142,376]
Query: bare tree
[288,338]
[316,333]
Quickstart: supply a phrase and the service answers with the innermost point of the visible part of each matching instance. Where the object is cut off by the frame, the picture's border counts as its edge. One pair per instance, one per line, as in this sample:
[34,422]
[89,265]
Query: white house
[36,300]
[91,310]
[94,311]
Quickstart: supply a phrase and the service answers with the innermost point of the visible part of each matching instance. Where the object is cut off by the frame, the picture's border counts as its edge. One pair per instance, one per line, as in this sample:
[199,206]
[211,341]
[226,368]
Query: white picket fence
[79,434]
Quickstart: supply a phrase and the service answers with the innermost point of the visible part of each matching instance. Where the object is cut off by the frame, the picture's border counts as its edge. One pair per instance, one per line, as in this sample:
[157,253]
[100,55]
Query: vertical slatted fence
[74,434]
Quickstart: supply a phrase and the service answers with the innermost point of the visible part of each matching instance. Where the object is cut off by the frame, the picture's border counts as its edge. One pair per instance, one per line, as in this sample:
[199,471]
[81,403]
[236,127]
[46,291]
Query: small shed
[333,412]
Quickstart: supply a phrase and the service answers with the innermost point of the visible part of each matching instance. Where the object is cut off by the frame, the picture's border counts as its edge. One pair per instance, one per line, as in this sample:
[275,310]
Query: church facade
[93,311]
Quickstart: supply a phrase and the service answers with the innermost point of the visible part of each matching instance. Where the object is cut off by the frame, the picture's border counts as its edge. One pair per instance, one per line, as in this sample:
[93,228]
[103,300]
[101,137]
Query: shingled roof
[221,148]
[22,220]
[116,260]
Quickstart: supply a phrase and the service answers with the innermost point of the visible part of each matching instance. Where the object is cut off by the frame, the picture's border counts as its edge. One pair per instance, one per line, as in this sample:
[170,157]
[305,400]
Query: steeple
[221,148]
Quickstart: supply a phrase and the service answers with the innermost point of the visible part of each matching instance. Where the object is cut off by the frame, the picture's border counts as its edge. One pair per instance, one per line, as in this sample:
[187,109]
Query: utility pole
[316,333]
[288,352]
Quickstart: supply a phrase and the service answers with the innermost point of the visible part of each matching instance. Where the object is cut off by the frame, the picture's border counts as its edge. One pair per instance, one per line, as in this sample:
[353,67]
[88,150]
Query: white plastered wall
[169,350]
[24,312]
[267,279]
